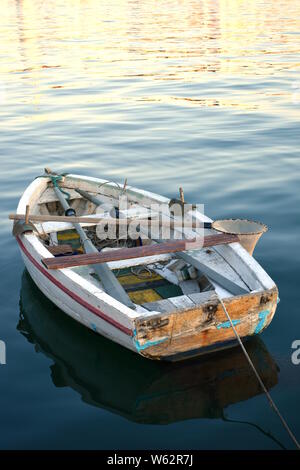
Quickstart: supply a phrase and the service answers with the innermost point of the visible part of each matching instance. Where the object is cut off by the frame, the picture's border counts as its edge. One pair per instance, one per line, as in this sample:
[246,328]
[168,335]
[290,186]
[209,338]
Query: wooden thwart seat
[142,251]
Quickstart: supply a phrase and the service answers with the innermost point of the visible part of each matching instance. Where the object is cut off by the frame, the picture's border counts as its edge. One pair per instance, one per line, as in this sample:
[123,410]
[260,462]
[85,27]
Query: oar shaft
[109,220]
[89,197]
[61,198]
[108,279]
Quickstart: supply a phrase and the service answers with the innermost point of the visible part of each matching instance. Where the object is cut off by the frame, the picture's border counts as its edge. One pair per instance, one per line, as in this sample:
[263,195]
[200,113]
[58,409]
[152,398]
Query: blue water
[204,95]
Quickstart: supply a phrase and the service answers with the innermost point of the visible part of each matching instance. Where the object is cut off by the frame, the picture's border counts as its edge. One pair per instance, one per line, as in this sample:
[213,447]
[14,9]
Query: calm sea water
[203,94]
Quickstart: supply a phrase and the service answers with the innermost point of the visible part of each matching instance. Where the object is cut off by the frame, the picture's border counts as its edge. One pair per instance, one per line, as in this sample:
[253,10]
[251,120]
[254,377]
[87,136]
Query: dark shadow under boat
[114,378]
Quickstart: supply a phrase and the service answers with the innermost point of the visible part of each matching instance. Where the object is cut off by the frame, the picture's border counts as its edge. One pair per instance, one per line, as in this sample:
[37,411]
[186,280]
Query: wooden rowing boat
[164,300]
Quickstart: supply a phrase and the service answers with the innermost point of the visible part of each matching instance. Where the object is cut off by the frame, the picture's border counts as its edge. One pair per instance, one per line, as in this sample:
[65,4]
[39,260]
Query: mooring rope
[55,178]
[256,426]
[272,404]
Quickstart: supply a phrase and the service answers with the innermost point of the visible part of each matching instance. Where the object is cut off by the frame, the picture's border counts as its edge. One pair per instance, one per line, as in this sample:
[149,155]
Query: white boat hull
[75,301]
[185,331]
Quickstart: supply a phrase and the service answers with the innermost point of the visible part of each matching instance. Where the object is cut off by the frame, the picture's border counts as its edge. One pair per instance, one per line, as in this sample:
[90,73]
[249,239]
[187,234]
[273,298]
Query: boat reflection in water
[111,377]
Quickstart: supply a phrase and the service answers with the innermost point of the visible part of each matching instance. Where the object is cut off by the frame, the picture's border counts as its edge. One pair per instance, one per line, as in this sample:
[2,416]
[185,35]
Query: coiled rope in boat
[272,403]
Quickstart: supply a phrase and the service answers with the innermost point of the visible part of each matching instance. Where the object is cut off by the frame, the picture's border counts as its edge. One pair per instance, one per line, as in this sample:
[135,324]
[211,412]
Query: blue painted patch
[93,326]
[262,316]
[227,324]
[140,347]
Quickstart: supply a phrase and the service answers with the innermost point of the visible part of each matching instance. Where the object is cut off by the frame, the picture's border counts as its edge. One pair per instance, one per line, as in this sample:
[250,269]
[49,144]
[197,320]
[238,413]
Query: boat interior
[159,283]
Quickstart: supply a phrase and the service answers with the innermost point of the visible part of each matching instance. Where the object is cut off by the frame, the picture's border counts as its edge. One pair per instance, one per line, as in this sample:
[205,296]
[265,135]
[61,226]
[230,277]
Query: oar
[170,223]
[93,220]
[108,279]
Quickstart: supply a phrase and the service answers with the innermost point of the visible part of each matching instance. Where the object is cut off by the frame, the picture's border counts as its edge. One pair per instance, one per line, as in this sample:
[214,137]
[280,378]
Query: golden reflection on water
[133,51]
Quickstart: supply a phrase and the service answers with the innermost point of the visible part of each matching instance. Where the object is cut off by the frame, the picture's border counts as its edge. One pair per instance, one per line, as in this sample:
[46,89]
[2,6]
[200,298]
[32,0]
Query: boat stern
[191,332]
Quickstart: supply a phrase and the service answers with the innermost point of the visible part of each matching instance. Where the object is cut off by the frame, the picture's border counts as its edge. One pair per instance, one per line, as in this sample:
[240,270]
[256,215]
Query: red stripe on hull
[71,294]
